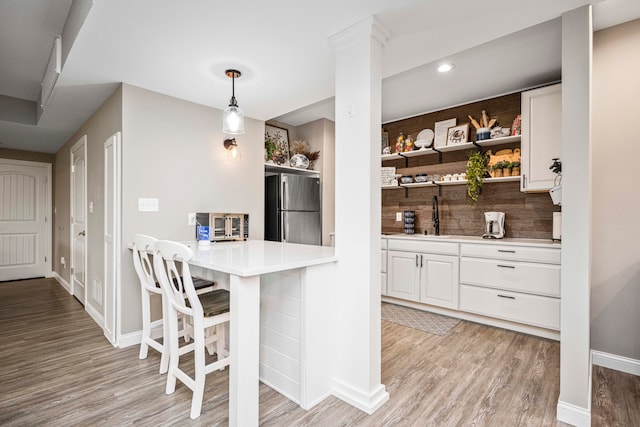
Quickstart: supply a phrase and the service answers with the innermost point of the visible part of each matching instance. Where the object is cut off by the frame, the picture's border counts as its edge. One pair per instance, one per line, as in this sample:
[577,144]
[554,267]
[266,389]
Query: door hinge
[72,270]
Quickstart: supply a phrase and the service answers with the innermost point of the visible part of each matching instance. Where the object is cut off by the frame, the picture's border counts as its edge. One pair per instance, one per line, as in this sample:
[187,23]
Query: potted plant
[497,170]
[515,168]
[476,171]
[506,168]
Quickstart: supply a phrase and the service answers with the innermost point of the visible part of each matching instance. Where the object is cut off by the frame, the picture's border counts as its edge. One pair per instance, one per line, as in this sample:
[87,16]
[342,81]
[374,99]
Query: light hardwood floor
[57,369]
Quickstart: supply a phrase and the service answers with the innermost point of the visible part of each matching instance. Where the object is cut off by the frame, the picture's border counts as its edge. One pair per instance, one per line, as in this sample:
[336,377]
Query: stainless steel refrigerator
[292,209]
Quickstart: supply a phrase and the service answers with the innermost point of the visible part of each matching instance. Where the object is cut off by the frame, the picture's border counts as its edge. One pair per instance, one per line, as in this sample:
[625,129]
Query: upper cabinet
[541,136]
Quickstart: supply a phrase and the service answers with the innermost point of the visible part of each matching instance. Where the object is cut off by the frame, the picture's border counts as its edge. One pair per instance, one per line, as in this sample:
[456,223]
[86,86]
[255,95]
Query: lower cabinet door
[524,308]
[383,283]
[403,275]
[439,280]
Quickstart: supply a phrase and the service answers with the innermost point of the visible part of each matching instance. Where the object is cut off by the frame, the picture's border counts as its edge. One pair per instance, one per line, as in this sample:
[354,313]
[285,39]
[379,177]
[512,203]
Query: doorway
[25,212]
[78,213]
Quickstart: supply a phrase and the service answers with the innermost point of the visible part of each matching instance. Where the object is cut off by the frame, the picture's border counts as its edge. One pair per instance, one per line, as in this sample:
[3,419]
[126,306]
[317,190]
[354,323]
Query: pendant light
[233,118]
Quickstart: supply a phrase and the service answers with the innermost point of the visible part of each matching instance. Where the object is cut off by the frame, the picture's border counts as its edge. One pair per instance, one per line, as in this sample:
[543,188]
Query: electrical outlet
[398,216]
[148,205]
[63,261]
[191,218]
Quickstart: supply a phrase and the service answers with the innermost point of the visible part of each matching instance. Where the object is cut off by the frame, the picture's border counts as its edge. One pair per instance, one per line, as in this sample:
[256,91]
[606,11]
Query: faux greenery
[515,164]
[476,170]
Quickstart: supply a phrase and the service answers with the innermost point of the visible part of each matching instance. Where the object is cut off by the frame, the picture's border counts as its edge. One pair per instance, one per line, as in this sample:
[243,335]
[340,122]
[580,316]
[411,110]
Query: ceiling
[282,49]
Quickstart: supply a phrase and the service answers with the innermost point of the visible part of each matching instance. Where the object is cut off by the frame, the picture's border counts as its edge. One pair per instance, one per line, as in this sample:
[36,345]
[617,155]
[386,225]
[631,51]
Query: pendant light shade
[233,117]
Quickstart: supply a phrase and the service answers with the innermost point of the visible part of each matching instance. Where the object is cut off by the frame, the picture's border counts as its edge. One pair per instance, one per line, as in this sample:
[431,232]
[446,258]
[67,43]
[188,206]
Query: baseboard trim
[574,415]
[366,403]
[62,282]
[130,339]
[618,363]
[95,315]
[135,338]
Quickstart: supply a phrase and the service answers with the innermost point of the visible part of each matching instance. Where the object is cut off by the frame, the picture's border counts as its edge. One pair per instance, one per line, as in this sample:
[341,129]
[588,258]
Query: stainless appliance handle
[284,227]
[283,193]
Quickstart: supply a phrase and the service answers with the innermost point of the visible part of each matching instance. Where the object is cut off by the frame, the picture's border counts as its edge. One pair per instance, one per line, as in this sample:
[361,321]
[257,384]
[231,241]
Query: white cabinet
[383,274]
[403,275]
[541,136]
[439,280]
[516,283]
[423,271]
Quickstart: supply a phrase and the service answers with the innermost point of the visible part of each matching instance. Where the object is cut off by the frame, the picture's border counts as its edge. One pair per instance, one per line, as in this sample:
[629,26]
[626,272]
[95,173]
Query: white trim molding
[574,415]
[613,361]
[63,283]
[362,401]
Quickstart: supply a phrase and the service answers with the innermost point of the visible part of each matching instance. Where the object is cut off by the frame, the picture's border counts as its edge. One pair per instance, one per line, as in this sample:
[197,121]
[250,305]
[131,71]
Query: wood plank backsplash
[527,215]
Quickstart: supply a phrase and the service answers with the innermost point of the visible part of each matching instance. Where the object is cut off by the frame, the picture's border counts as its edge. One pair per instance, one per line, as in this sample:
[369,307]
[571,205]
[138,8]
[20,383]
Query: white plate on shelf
[425,138]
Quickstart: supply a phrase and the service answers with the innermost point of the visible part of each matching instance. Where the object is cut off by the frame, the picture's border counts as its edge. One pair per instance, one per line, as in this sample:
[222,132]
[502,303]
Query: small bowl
[407,179]
[421,177]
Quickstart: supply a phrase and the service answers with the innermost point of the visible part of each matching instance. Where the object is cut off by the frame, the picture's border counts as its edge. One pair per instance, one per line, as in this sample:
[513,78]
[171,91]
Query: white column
[356,292]
[574,404]
[244,343]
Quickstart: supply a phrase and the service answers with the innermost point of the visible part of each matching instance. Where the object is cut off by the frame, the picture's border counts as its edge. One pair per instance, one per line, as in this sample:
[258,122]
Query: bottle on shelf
[400,144]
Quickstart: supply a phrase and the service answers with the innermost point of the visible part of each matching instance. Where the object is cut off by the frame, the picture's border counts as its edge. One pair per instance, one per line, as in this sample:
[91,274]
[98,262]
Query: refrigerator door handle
[284,227]
[284,194]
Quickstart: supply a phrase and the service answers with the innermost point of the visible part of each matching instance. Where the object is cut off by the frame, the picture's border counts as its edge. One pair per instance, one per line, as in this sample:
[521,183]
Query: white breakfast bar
[283,343]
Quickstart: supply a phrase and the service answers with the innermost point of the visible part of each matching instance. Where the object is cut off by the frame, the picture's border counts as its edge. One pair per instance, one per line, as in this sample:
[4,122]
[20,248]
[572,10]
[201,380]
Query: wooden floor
[57,369]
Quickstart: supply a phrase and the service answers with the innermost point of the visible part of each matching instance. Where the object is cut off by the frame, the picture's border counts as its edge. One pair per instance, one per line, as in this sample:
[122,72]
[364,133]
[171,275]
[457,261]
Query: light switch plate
[148,205]
[398,216]
[191,218]
[90,207]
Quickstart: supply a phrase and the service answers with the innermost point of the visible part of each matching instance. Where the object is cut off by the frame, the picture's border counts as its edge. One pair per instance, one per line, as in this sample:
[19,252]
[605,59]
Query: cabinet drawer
[541,279]
[514,253]
[522,308]
[444,248]
[384,261]
[383,243]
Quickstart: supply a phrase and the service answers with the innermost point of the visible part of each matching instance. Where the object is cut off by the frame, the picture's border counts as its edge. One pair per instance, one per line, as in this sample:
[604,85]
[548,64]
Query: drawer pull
[506,266]
[506,296]
[506,251]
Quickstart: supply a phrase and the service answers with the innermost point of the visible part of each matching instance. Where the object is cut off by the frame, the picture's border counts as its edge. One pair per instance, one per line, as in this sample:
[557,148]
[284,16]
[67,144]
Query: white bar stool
[209,311]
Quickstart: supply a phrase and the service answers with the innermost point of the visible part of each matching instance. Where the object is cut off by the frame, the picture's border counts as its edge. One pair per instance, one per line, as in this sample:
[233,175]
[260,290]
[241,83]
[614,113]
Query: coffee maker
[494,228]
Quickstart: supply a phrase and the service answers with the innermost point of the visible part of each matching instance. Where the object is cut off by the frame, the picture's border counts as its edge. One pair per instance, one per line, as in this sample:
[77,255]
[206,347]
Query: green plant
[476,171]
[497,166]
[502,165]
[515,164]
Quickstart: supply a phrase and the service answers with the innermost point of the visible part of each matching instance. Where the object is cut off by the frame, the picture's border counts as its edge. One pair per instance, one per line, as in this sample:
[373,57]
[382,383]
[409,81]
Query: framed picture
[458,134]
[440,130]
[384,141]
[276,145]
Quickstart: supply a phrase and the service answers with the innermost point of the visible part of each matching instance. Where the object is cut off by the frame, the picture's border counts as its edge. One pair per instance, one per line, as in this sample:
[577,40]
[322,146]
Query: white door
[111,235]
[79,219]
[25,238]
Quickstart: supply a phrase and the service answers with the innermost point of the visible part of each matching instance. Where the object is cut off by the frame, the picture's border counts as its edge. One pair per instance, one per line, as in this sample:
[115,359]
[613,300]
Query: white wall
[173,150]
[106,121]
[615,292]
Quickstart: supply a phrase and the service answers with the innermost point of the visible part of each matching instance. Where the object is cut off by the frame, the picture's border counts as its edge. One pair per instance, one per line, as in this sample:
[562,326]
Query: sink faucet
[435,215]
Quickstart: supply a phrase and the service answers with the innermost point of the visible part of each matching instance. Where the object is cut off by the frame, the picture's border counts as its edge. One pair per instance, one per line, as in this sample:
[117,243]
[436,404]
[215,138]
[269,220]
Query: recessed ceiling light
[447,66]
